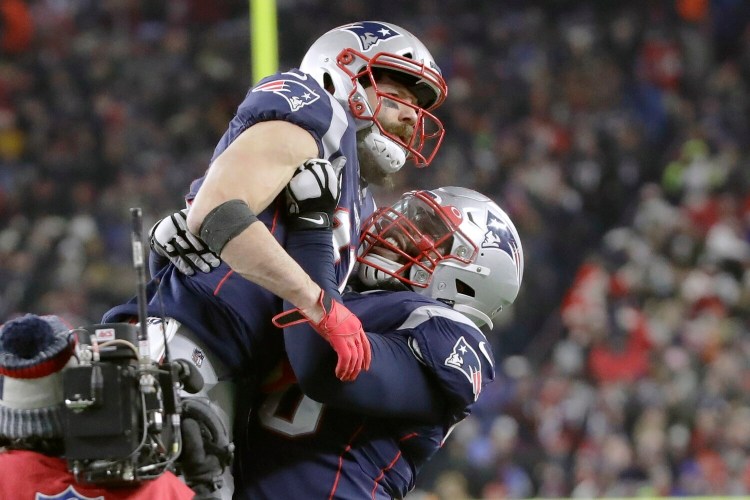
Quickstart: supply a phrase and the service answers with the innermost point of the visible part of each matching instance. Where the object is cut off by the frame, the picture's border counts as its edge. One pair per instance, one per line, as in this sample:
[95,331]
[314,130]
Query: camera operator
[33,352]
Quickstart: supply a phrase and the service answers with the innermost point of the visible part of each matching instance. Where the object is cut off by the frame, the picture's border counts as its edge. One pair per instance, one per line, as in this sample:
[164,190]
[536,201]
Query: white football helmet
[345,58]
[452,244]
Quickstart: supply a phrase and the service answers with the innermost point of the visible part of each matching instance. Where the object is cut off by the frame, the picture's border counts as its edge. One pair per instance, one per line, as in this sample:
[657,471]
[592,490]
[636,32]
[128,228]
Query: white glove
[170,238]
[313,193]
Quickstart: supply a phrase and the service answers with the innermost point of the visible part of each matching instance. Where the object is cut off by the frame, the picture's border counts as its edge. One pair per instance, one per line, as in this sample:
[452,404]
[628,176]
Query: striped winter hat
[33,351]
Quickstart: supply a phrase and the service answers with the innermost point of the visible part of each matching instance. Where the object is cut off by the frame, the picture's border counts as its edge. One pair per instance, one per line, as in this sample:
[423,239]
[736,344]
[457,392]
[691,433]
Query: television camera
[122,409]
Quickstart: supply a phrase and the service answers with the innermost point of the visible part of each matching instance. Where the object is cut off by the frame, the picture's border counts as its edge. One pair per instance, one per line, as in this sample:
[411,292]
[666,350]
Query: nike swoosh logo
[318,220]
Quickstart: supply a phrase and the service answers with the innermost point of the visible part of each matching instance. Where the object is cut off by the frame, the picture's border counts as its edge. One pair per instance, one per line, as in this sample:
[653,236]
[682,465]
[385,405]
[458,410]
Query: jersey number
[290,413]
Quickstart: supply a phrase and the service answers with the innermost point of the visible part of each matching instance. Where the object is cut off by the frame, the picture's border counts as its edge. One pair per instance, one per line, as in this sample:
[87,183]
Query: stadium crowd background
[616,134]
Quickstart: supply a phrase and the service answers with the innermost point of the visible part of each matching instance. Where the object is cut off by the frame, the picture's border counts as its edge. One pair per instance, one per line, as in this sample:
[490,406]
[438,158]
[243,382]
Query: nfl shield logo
[198,357]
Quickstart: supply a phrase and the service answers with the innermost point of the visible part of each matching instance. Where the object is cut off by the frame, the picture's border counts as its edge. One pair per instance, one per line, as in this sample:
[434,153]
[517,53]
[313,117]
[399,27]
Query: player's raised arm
[312,196]
[382,390]
[241,182]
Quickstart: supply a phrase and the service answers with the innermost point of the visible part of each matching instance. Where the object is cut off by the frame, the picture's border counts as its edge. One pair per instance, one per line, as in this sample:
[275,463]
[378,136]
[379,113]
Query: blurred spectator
[16,27]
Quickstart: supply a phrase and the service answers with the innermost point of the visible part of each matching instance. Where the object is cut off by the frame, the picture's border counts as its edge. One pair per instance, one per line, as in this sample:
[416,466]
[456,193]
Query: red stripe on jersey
[477,382]
[276,213]
[341,461]
[382,473]
[221,283]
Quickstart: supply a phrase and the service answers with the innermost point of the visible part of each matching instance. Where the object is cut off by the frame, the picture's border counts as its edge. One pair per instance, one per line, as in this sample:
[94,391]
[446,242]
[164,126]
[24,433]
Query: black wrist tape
[224,223]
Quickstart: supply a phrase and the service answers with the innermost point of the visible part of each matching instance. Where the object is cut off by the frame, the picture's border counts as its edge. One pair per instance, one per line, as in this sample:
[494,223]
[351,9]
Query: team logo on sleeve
[296,94]
[371,33]
[69,494]
[499,236]
[464,359]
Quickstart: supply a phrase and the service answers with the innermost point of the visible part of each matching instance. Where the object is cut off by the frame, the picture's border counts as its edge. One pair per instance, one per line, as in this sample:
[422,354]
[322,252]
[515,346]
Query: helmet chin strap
[375,278]
[478,317]
[388,155]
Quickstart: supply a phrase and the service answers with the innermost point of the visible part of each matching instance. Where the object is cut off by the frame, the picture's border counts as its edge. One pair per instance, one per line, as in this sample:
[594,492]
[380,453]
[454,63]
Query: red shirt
[27,475]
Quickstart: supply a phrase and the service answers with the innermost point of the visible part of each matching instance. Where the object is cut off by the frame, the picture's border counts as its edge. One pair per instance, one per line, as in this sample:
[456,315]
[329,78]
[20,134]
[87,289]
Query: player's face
[418,231]
[394,115]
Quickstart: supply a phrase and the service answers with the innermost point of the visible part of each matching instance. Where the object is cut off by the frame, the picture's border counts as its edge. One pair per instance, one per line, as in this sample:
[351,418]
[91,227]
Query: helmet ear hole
[464,289]
[328,83]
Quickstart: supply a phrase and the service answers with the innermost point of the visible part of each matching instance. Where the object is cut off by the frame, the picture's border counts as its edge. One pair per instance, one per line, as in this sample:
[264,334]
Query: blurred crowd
[615,134]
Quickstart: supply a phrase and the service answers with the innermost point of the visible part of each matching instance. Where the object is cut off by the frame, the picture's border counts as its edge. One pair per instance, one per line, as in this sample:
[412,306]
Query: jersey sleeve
[453,350]
[292,96]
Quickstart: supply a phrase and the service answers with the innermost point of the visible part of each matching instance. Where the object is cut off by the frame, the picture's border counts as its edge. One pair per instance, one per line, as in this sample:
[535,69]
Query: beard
[369,169]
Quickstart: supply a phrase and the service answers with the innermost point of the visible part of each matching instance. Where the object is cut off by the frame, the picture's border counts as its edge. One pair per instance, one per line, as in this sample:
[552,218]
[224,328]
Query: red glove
[342,329]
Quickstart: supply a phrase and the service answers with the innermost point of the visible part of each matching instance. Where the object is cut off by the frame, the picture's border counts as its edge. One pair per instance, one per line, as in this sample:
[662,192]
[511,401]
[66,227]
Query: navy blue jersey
[369,439]
[228,313]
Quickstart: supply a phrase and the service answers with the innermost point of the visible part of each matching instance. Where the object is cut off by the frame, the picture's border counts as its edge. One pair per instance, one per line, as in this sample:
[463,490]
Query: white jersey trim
[335,133]
[424,313]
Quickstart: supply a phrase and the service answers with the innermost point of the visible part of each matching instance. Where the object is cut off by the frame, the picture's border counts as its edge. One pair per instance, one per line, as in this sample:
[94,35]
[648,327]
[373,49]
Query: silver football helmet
[452,244]
[344,60]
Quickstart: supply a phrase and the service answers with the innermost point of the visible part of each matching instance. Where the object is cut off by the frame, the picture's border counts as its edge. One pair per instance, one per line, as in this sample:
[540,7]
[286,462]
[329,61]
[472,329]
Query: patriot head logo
[297,94]
[371,33]
[69,494]
[464,358]
[500,236]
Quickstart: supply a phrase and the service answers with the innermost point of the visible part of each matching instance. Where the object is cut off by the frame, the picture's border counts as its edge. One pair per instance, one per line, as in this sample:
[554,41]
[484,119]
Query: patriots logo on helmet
[371,33]
[500,236]
[297,94]
[465,359]
[69,494]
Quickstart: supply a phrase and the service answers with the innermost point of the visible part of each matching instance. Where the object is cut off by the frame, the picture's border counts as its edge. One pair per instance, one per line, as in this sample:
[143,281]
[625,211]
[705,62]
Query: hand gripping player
[433,269]
[364,91]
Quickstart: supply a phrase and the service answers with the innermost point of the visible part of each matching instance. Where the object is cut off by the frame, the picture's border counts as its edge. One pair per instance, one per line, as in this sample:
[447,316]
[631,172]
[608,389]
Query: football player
[364,92]
[433,270]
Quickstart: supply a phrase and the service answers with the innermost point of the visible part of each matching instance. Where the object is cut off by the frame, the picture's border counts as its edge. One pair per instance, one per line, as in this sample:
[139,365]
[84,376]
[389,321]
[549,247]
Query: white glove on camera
[170,238]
